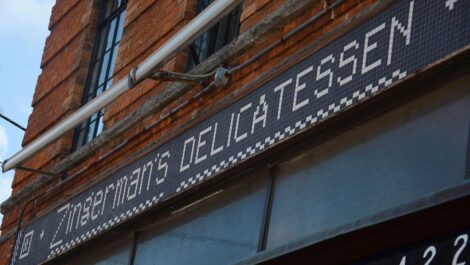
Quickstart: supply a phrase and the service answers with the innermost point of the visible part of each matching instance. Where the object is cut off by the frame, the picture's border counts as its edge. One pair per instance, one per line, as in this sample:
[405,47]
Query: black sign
[390,46]
[451,250]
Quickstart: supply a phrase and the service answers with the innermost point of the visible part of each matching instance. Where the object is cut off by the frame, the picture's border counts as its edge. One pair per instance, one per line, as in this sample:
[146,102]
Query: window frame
[111,11]
[217,36]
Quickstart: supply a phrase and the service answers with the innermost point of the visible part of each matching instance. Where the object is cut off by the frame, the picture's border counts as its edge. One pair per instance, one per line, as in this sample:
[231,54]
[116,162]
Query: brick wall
[149,24]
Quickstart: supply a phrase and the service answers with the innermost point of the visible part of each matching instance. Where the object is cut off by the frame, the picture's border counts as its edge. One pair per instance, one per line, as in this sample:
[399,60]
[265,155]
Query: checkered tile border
[312,119]
[105,226]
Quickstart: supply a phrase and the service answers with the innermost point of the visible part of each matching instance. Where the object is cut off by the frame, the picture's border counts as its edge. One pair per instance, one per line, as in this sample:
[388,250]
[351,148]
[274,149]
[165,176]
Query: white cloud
[25,18]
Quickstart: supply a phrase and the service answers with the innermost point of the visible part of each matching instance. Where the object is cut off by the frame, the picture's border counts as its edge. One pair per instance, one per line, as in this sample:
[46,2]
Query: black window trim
[82,131]
[216,40]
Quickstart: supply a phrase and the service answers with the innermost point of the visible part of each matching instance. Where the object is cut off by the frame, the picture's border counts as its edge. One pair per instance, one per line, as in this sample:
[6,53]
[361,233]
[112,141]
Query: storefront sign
[452,250]
[390,46]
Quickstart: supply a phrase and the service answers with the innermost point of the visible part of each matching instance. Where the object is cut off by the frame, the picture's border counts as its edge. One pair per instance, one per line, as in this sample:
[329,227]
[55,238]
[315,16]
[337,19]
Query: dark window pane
[115,4]
[202,4]
[79,135]
[114,252]
[203,46]
[110,7]
[95,66]
[90,93]
[407,153]
[219,230]
[102,65]
[216,37]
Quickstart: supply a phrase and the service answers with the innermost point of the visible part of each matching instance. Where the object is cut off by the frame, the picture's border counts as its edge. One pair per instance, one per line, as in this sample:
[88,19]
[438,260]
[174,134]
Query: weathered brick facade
[148,25]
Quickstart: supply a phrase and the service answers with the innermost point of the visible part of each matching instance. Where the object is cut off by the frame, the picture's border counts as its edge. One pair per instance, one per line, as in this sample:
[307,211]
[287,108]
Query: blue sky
[23,30]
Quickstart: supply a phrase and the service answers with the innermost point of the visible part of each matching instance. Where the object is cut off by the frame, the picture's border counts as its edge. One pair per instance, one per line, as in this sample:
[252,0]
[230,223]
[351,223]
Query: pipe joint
[221,77]
[132,78]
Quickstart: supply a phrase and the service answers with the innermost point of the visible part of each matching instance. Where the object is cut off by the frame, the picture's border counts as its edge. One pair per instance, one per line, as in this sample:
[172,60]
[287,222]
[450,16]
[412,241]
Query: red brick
[149,24]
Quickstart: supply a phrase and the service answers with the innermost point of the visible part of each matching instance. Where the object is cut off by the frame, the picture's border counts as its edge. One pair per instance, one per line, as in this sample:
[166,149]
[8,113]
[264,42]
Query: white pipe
[210,16]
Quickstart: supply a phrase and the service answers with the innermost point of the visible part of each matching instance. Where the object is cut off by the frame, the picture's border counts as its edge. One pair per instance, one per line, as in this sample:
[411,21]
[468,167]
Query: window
[216,226]
[110,252]
[216,37]
[100,75]
[221,228]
